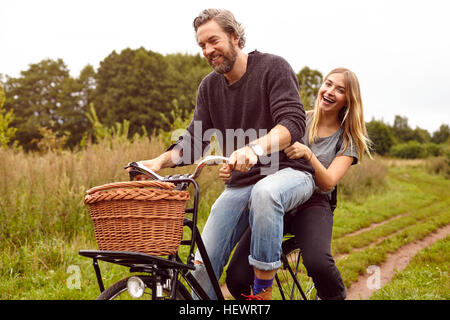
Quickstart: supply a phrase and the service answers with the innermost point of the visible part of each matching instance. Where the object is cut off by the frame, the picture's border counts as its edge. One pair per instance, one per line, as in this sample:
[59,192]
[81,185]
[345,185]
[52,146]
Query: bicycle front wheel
[120,290]
[292,279]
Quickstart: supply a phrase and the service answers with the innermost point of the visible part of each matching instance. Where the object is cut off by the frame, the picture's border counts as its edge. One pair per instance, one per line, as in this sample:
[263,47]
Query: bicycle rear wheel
[119,290]
[292,279]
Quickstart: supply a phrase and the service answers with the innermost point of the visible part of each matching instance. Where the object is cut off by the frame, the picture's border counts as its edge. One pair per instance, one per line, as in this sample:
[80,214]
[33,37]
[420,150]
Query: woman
[336,138]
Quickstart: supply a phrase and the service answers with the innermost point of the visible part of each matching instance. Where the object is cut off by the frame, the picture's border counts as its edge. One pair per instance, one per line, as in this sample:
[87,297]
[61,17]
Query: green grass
[425,278]
[346,244]
[356,263]
[399,196]
[421,199]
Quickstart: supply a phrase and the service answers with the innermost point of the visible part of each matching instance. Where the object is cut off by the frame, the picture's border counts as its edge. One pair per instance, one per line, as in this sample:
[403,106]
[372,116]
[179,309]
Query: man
[251,102]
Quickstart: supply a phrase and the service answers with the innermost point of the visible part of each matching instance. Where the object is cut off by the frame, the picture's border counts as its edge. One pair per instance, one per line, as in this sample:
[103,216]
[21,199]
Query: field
[385,208]
[389,229]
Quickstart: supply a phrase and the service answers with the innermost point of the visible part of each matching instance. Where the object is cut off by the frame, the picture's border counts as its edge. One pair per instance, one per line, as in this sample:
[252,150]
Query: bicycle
[170,277]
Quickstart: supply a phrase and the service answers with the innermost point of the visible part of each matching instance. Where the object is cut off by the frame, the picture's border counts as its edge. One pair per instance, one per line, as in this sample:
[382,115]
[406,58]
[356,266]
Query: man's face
[218,47]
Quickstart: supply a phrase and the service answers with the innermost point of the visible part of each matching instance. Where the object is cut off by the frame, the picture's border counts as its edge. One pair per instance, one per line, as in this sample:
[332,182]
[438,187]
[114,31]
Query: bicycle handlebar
[207,161]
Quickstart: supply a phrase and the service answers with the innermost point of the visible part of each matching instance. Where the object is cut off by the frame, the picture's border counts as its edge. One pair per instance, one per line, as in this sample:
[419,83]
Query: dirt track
[395,262]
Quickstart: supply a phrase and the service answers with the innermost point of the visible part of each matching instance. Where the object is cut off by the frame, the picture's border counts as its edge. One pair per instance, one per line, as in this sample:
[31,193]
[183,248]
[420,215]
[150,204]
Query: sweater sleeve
[191,141]
[285,105]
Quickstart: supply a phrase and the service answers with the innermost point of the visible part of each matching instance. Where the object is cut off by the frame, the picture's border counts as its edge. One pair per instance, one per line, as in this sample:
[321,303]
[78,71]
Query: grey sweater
[266,95]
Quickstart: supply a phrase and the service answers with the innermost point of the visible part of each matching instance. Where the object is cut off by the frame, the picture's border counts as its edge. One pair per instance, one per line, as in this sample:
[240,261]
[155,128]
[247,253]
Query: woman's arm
[326,179]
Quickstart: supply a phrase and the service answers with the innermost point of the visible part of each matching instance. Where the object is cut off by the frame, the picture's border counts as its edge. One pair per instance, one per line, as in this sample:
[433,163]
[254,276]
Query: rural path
[396,261]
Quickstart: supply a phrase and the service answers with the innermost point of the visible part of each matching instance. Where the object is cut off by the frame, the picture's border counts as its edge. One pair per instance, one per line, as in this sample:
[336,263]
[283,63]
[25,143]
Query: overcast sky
[399,49]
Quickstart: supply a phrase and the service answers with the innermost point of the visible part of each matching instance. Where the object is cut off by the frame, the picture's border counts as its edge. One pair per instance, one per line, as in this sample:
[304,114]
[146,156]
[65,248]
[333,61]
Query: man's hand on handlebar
[153,164]
[242,159]
[225,172]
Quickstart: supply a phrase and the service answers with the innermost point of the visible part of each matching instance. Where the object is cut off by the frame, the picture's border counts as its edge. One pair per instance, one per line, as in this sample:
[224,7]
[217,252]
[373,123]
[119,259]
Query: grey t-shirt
[325,148]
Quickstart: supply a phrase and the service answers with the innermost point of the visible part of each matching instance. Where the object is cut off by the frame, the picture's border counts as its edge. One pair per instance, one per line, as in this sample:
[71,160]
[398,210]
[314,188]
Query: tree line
[148,90]
[401,141]
[137,85]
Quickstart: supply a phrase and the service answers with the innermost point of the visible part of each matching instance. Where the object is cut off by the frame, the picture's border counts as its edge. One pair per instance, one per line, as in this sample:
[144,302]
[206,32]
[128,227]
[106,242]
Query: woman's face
[332,93]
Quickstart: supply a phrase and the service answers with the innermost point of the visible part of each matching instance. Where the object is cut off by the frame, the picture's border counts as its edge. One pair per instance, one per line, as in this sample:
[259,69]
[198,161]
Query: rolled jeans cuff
[265,266]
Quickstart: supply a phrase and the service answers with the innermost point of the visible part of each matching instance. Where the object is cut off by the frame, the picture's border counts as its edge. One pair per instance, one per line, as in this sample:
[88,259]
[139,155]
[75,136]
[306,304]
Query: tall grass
[41,196]
[366,178]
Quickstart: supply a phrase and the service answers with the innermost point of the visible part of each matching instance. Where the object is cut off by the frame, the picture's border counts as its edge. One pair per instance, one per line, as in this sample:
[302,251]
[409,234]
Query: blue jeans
[261,205]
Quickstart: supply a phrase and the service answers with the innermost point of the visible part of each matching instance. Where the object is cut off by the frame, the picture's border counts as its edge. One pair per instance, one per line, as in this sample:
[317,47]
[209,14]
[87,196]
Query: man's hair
[225,19]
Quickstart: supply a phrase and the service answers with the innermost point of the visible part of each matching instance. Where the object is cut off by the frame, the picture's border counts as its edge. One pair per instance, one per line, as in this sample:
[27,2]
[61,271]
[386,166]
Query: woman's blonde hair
[351,116]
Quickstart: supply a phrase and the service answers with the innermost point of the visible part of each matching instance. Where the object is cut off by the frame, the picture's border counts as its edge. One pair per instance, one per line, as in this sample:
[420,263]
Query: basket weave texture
[138,216]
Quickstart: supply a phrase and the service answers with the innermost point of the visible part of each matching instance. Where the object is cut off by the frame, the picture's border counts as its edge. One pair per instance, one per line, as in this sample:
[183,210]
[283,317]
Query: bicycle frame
[165,269]
[141,262]
[293,274]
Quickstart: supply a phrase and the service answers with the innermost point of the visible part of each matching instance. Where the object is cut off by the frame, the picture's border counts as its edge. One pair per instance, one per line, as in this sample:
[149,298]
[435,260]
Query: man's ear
[235,39]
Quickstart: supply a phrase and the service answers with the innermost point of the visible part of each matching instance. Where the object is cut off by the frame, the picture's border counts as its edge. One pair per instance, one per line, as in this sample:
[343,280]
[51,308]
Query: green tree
[77,94]
[6,132]
[185,73]
[309,81]
[381,136]
[133,85]
[442,135]
[36,98]
[401,129]
[421,135]
[140,85]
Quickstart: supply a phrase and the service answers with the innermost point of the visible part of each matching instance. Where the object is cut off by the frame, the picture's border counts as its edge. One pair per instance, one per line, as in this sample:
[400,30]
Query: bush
[439,165]
[415,150]
[433,149]
[381,136]
[409,150]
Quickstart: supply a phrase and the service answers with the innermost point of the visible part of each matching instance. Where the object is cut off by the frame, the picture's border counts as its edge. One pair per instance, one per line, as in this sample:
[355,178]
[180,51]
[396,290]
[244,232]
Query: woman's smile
[327,100]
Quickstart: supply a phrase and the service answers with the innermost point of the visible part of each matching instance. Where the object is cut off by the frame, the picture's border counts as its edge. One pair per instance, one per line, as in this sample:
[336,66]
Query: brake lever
[143,170]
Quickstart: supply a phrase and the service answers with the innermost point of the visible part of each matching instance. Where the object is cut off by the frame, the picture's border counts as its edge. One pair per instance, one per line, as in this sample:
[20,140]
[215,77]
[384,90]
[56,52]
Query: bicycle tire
[293,267]
[119,290]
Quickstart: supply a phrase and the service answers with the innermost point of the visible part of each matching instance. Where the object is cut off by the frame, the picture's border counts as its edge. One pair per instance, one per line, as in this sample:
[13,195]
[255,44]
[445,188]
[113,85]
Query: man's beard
[229,58]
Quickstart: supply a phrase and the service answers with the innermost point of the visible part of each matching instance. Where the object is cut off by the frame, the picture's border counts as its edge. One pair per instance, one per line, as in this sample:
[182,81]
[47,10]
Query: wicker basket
[139,216]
